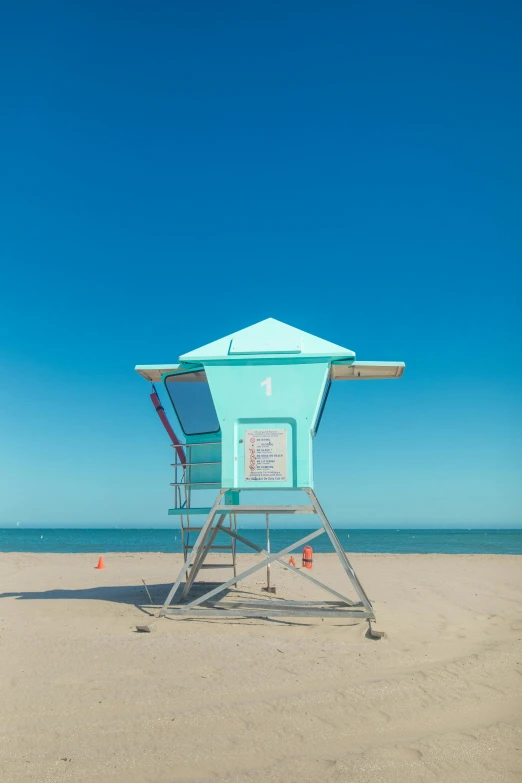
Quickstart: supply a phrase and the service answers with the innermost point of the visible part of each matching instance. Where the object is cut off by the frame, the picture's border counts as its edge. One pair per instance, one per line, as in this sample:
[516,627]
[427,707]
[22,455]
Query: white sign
[265,455]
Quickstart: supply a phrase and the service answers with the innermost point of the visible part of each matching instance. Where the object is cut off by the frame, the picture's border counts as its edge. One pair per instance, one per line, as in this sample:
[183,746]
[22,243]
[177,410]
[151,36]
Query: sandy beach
[84,697]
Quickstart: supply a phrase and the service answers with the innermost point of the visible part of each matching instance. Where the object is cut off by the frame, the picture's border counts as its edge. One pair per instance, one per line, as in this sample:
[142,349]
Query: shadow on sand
[135,595]
[126,594]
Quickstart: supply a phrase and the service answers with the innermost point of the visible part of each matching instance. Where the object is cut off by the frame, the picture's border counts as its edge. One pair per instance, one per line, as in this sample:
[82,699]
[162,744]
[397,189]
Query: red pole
[160,410]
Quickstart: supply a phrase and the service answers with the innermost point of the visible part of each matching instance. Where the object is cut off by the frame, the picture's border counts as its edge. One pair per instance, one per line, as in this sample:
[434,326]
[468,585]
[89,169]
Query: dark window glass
[193,403]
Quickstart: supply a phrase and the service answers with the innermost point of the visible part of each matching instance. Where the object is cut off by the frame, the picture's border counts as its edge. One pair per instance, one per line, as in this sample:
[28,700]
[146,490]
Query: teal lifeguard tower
[247,408]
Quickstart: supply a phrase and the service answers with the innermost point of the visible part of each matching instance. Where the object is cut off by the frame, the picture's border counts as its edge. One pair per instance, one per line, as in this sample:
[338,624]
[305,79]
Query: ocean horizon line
[169,539]
[389,528]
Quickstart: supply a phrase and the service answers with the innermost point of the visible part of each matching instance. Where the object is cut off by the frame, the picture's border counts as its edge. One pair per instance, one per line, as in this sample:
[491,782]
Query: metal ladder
[183,506]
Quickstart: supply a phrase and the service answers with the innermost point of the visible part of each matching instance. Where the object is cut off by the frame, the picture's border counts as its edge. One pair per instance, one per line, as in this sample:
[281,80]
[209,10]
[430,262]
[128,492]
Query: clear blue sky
[172,172]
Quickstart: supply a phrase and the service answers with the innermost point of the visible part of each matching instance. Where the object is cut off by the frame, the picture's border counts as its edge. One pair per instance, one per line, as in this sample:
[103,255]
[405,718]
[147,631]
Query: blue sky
[174,172]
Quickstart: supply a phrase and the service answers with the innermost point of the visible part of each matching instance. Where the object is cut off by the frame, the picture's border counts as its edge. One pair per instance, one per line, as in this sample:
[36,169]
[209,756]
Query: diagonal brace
[332,535]
[252,570]
[309,578]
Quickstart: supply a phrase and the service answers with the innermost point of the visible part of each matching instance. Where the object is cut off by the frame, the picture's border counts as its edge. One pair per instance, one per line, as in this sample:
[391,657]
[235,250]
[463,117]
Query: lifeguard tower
[248,407]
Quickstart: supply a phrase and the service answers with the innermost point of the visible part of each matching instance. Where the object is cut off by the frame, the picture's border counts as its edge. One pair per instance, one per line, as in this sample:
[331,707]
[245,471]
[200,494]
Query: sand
[83,697]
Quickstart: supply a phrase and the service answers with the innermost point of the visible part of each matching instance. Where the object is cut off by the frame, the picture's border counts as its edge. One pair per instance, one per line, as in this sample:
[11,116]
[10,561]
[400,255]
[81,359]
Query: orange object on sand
[292,562]
[101,564]
[307,557]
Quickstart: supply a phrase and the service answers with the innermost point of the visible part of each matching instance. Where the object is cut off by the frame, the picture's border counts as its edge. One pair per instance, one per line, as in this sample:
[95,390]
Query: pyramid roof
[267,338]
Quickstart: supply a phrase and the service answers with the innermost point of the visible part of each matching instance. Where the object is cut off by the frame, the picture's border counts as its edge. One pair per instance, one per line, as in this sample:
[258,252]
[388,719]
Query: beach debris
[147,589]
[145,628]
[100,565]
[292,562]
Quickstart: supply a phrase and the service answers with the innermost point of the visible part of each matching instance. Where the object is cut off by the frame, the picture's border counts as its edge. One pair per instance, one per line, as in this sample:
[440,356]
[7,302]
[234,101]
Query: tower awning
[153,372]
[360,371]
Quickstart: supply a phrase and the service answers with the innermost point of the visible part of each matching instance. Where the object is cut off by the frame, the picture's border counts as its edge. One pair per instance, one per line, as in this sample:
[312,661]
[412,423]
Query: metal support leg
[233,525]
[340,551]
[201,538]
[268,588]
[183,532]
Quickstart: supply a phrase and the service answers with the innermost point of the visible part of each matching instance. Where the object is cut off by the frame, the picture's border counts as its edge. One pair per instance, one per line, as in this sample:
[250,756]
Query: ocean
[494,542]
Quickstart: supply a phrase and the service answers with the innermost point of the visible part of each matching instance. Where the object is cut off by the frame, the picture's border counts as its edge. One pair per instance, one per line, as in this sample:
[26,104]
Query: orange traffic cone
[101,564]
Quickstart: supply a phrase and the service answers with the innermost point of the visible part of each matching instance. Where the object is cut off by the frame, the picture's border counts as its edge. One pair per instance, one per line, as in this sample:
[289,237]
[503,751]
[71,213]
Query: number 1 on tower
[267,383]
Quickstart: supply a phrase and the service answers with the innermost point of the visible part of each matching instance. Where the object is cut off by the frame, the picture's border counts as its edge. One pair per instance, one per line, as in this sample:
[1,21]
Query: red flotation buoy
[307,556]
